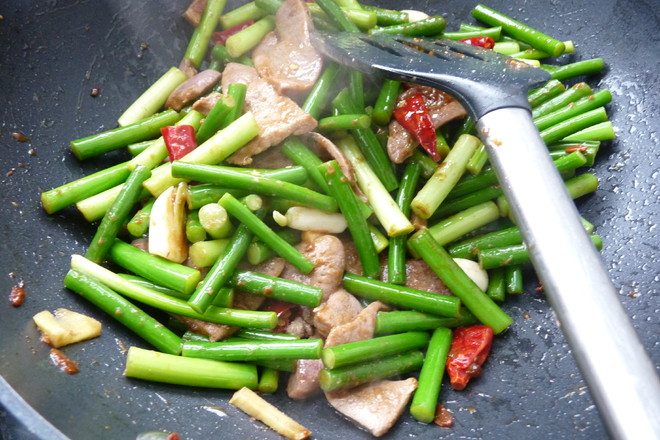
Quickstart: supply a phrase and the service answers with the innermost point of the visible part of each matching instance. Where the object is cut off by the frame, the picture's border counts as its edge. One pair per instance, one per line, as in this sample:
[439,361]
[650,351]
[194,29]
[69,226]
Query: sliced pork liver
[272,267]
[286,58]
[359,329]
[375,406]
[318,142]
[193,88]
[215,332]
[340,308]
[327,254]
[194,12]
[205,104]
[421,277]
[304,381]
[271,158]
[187,67]
[278,116]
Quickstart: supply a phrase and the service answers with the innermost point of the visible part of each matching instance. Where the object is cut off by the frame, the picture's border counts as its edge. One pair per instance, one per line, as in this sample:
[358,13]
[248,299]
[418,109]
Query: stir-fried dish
[291,224]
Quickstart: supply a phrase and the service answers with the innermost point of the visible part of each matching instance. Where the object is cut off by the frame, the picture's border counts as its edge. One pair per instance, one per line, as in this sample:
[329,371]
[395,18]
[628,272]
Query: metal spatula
[493,88]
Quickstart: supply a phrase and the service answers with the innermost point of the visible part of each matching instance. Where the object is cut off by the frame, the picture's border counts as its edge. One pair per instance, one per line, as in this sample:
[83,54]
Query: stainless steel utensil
[493,88]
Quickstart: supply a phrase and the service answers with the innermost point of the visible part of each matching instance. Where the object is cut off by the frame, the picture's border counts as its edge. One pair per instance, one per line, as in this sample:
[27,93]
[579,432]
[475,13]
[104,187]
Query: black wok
[54,52]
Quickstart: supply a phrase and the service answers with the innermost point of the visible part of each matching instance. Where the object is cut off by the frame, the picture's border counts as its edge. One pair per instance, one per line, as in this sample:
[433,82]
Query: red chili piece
[179,139]
[413,115]
[468,352]
[485,42]
[286,312]
[220,37]
[574,148]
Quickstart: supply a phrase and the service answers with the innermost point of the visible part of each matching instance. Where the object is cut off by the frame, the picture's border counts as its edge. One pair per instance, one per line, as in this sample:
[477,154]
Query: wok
[55,52]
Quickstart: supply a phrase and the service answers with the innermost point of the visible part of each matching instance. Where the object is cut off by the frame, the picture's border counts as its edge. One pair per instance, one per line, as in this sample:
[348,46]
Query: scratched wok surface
[54,52]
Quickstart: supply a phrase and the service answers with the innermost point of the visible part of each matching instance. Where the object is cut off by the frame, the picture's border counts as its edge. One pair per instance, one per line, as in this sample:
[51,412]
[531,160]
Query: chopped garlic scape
[215,221]
[280,219]
[414,15]
[474,271]
[533,63]
[309,219]
[255,406]
[167,228]
[65,327]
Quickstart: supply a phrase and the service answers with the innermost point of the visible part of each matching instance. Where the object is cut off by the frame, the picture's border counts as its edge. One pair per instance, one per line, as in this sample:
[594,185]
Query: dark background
[53,53]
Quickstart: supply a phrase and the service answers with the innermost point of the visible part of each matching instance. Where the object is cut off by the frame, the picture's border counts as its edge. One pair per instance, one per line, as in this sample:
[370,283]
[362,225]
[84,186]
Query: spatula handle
[620,375]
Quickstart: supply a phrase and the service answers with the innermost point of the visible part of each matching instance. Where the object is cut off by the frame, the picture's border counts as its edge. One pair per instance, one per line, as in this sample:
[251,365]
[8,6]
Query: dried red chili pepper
[485,42]
[285,311]
[220,37]
[468,352]
[413,115]
[179,139]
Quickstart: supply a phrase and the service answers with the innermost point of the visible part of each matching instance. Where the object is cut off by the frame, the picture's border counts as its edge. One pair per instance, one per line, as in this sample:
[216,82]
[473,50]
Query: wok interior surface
[55,52]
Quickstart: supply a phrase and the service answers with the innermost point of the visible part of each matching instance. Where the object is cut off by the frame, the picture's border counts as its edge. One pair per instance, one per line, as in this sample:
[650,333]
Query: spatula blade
[481,79]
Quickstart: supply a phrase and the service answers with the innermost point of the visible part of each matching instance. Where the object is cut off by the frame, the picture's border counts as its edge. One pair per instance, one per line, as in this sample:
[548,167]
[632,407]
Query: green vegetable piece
[268,380]
[175,276]
[396,261]
[428,27]
[146,128]
[166,303]
[366,350]
[340,189]
[497,284]
[237,178]
[425,400]
[59,198]
[138,225]
[221,271]
[243,41]
[519,30]
[194,230]
[401,296]
[153,98]
[572,70]
[199,42]
[459,283]
[277,288]
[265,233]
[117,307]
[117,215]
[445,177]
[318,95]
[386,101]
[368,142]
[514,279]
[409,320]
[254,350]
[241,14]
[161,367]
[354,375]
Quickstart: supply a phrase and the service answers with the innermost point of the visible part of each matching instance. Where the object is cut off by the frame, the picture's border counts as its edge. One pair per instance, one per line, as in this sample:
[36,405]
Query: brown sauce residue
[17,294]
[62,361]
[443,418]
[20,137]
